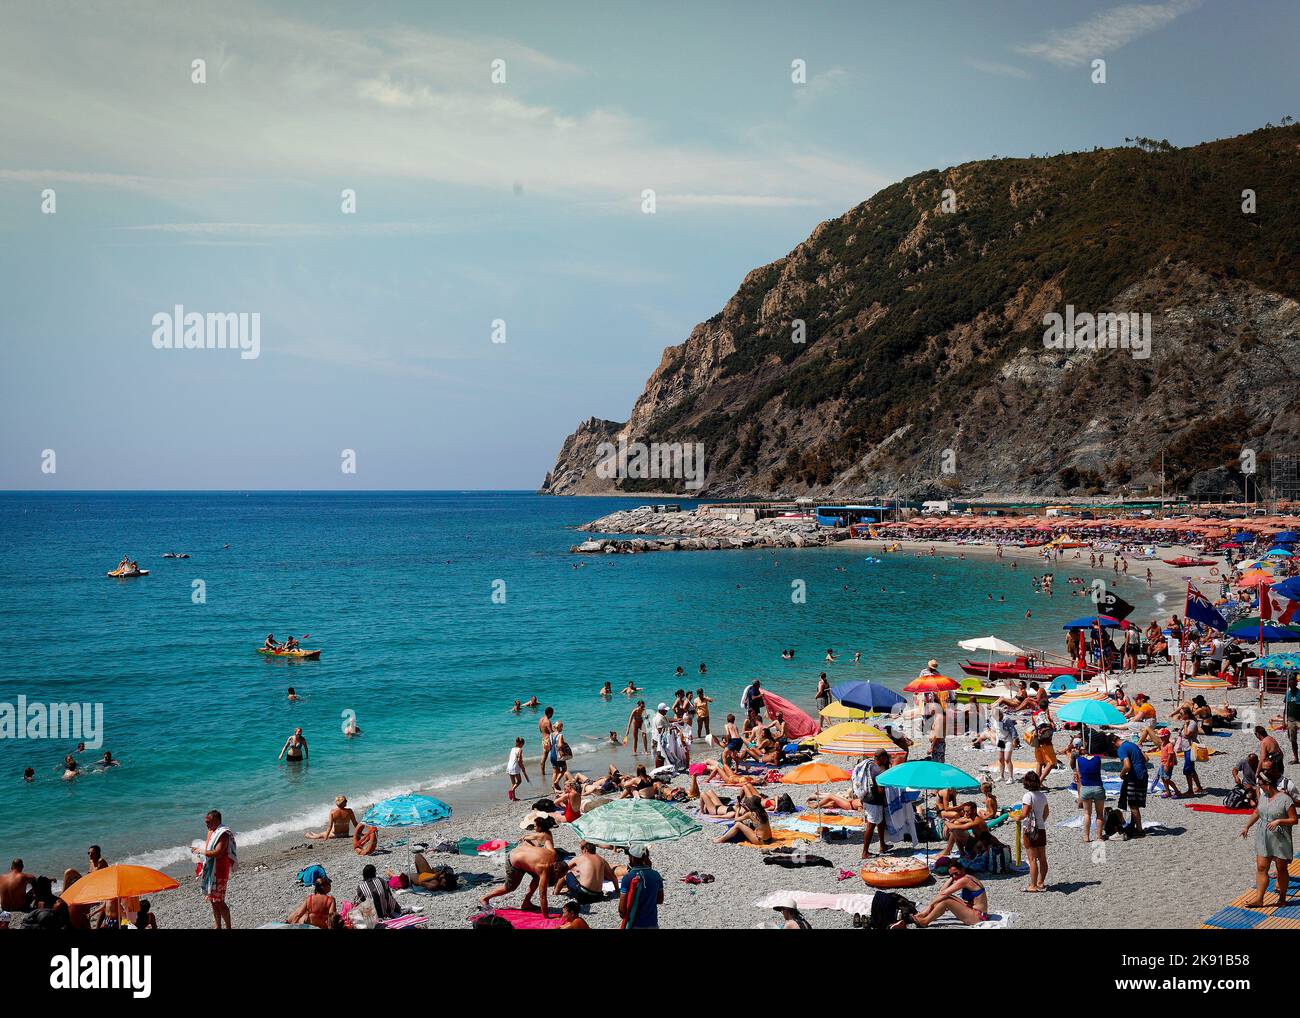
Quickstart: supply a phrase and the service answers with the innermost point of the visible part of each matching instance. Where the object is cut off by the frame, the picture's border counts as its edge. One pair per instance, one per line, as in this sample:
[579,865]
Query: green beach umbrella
[634,821]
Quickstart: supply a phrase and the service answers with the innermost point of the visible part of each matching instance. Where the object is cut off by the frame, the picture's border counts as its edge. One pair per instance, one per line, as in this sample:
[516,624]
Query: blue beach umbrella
[407,811]
[1278,553]
[868,696]
[1277,663]
[1061,683]
[1286,537]
[1288,588]
[1241,537]
[1269,632]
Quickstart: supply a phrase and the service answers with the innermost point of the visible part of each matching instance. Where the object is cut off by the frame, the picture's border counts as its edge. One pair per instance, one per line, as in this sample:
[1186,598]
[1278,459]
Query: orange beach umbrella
[117,882]
[816,774]
[931,684]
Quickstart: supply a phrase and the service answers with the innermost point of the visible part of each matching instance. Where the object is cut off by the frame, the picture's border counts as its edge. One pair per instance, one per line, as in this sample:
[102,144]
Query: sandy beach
[1187,868]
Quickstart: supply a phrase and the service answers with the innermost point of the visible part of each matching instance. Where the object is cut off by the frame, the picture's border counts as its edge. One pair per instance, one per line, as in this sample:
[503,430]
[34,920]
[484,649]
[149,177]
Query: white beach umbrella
[993,645]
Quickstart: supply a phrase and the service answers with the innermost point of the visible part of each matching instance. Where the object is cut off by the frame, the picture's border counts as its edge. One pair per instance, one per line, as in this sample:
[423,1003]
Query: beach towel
[1214,807]
[812,901]
[809,827]
[212,877]
[522,920]
[900,818]
[995,921]
[798,725]
[780,839]
[830,818]
[401,922]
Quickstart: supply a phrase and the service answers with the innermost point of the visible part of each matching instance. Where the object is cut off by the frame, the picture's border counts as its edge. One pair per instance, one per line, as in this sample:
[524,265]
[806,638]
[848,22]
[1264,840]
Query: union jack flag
[1199,609]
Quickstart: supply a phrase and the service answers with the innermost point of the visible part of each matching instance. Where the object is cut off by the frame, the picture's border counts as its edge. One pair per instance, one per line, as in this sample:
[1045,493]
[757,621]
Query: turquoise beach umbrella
[1092,712]
[1276,663]
[926,775]
[407,811]
[1061,683]
[634,821]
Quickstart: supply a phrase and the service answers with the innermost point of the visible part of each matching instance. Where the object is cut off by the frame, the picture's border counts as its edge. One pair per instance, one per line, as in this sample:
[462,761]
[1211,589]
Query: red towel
[522,920]
[1210,807]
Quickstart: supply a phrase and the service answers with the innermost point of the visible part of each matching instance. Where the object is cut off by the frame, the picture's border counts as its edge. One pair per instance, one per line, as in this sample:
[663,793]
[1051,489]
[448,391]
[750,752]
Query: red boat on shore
[1028,667]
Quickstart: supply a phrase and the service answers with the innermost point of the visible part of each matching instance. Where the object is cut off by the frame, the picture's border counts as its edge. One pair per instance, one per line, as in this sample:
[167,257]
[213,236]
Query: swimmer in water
[350,728]
[607,690]
[69,768]
[631,688]
[29,775]
[107,760]
[533,702]
[679,673]
[294,749]
[517,708]
[293,697]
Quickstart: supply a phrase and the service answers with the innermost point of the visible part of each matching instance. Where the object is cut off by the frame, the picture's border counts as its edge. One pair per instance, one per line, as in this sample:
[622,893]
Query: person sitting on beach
[585,876]
[527,860]
[640,785]
[1020,700]
[16,889]
[341,821]
[989,808]
[319,910]
[377,892]
[945,802]
[539,828]
[572,915]
[752,825]
[1141,709]
[963,826]
[1246,776]
[960,895]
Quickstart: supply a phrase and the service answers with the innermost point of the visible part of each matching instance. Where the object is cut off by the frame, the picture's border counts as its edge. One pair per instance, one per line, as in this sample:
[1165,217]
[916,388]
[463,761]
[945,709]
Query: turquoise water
[397,590]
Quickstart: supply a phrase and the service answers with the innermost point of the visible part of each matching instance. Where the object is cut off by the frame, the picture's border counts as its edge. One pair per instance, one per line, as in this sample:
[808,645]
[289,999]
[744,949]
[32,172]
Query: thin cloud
[1106,31]
[997,69]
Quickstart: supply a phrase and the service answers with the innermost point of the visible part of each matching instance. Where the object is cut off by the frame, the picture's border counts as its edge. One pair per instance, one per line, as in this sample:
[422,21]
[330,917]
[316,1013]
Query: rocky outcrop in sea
[698,531]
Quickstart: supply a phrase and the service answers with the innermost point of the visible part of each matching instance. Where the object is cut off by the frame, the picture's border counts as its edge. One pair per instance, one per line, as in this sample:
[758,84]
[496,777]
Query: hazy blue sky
[479,201]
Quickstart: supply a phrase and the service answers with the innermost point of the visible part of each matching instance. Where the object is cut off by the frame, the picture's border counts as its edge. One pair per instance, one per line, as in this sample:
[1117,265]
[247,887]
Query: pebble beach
[1187,867]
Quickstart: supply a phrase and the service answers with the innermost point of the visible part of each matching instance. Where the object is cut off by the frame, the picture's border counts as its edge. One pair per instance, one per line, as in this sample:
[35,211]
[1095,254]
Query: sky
[482,201]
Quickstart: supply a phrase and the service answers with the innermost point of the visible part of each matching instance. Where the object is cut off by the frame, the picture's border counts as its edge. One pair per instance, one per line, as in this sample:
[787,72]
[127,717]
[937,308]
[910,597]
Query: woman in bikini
[342,819]
[751,826]
[294,749]
[961,895]
[319,910]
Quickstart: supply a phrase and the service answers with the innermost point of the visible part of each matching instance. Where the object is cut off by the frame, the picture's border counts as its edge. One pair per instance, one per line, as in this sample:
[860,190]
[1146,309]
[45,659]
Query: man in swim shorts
[537,861]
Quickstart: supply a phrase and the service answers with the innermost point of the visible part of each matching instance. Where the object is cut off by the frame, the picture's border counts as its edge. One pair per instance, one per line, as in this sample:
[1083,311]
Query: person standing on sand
[1273,842]
[1133,783]
[544,727]
[1034,810]
[872,797]
[218,856]
[1291,712]
[516,770]
[636,727]
[527,860]
[702,714]
[823,692]
[641,891]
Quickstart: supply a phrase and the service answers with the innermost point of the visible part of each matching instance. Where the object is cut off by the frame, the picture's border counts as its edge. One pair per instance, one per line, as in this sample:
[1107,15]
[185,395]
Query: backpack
[491,921]
[1236,799]
[545,806]
[887,908]
[1112,822]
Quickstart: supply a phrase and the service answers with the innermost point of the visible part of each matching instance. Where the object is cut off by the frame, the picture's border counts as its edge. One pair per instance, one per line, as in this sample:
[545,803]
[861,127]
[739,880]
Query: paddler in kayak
[291,644]
[270,643]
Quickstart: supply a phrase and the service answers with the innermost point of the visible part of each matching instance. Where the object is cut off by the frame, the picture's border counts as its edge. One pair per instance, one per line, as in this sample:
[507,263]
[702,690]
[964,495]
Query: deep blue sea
[397,590]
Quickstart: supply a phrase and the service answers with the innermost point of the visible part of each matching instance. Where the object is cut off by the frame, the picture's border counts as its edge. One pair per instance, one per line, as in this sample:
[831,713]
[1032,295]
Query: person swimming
[69,767]
[293,696]
[607,690]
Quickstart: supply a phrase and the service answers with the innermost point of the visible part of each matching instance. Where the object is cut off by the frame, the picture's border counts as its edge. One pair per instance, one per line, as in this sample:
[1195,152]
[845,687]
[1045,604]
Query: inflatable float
[888,872]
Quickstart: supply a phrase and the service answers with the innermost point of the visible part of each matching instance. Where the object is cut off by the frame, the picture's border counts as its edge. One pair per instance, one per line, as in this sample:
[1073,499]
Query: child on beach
[1165,772]
[516,769]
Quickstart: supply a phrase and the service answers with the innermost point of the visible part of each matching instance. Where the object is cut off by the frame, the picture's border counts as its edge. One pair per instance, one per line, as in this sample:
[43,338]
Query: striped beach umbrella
[1082,693]
[853,738]
[931,684]
[626,822]
[842,712]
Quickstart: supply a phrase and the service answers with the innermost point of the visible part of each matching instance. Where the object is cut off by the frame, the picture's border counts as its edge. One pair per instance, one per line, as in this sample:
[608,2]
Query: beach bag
[491,921]
[1112,822]
[308,875]
[545,806]
[887,908]
[1236,799]
[784,804]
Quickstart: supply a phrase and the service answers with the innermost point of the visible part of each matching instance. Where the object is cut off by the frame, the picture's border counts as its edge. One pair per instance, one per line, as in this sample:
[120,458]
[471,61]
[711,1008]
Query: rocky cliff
[901,348]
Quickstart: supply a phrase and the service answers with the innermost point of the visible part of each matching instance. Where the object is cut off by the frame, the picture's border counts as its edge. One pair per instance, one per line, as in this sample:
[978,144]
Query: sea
[434,611]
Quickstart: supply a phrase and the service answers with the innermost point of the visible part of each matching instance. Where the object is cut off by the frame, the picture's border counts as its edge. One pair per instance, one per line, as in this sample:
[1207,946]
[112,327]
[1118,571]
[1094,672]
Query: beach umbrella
[1062,683]
[1277,663]
[114,883]
[1205,683]
[1266,632]
[853,738]
[842,712]
[406,811]
[1091,712]
[818,774]
[1278,553]
[626,822]
[868,696]
[1288,589]
[993,645]
[931,684]
[1243,537]
[927,776]
[1286,537]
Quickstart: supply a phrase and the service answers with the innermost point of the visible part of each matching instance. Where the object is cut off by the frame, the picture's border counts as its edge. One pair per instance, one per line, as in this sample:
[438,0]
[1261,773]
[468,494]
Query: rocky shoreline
[692,531]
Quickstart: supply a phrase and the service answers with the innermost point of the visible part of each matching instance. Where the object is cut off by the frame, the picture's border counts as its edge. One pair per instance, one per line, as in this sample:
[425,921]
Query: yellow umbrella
[854,738]
[843,712]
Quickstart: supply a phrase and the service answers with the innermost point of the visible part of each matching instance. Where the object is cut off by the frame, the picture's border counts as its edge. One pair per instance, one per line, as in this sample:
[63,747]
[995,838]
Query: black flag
[1115,606]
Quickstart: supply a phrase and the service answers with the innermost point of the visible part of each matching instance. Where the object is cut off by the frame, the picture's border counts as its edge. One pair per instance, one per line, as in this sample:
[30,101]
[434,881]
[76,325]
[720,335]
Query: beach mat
[522,920]
[1212,807]
[809,901]
[832,819]
[995,921]
[780,839]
